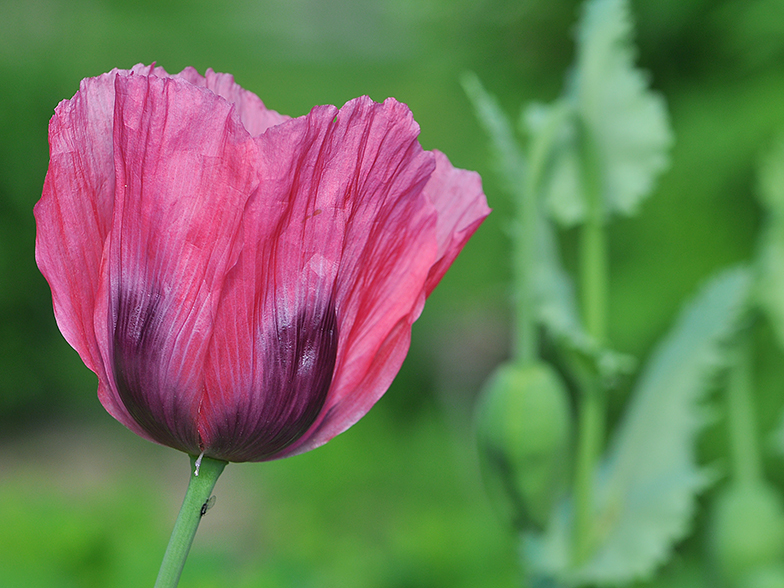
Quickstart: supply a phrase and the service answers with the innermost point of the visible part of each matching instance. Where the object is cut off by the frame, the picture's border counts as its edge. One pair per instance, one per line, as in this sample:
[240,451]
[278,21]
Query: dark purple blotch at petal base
[139,340]
[297,361]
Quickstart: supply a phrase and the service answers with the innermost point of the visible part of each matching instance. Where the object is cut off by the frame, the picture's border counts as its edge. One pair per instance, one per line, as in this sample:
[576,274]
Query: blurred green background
[396,501]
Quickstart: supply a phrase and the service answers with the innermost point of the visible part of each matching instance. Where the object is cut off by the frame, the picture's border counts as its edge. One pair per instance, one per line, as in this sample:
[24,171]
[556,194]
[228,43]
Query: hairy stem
[204,474]
[746,466]
[526,238]
[592,408]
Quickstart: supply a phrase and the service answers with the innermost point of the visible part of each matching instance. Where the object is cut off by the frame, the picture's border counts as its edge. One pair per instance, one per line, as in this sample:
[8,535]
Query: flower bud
[523,432]
[767,577]
[748,532]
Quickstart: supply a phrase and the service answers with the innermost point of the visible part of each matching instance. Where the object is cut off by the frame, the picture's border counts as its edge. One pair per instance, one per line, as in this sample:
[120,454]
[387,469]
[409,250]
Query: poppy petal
[182,180]
[461,205]
[339,220]
[256,117]
[389,279]
[74,214]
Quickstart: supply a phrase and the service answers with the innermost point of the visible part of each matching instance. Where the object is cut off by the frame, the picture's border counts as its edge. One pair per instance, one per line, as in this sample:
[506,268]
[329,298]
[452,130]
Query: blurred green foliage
[396,501]
[386,506]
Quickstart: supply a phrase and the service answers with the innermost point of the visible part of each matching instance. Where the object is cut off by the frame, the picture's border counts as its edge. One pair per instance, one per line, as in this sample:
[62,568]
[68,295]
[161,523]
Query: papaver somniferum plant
[242,283]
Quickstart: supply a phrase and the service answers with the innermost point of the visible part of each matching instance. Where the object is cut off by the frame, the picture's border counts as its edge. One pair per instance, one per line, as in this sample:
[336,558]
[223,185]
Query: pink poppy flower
[242,283]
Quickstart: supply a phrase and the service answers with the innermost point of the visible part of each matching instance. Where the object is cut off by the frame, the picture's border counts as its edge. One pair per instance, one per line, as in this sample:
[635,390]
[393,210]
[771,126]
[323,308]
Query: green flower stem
[590,442]
[526,347]
[199,490]
[592,409]
[526,238]
[746,463]
[593,266]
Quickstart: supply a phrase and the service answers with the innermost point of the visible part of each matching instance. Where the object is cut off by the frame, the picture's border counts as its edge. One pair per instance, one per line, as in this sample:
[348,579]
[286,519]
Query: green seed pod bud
[767,577]
[523,434]
[747,531]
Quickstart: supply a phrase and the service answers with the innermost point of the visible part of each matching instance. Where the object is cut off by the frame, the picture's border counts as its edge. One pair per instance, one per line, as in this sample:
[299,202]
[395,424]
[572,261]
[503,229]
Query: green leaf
[509,157]
[559,314]
[627,122]
[561,187]
[647,484]
[770,256]
[620,122]
[556,303]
